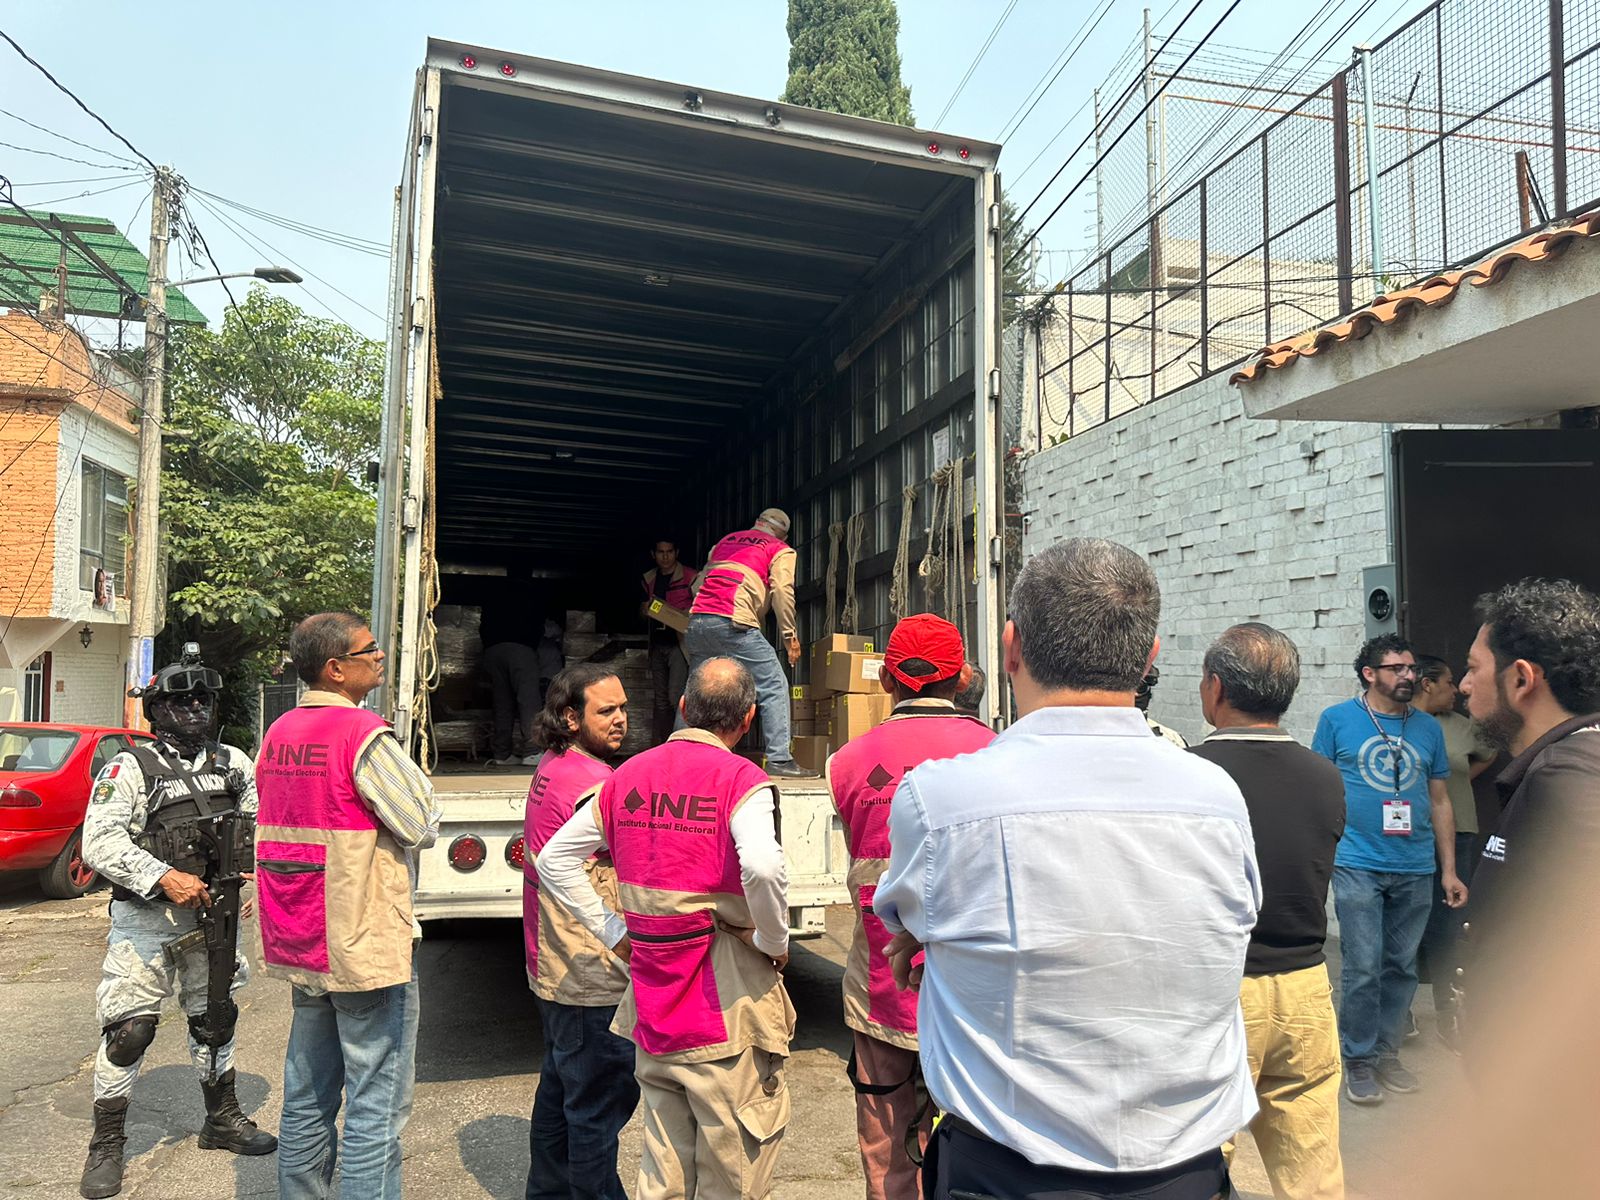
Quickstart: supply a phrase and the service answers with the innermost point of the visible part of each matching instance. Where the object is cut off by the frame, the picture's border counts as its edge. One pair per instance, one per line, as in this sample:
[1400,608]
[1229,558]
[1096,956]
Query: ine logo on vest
[310,757]
[682,813]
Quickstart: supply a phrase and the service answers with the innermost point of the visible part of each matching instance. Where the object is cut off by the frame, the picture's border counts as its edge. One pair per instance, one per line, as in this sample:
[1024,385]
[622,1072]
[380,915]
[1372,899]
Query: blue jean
[718,637]
[1381,919]
[363,1045]
[586,1094]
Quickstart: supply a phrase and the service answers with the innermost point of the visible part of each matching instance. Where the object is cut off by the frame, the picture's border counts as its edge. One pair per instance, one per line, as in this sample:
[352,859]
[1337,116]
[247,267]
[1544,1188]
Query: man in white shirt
[704,926]
[1084,893]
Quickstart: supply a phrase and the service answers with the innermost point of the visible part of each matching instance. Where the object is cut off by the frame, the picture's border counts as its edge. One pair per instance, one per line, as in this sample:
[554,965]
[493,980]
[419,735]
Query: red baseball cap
[930,638]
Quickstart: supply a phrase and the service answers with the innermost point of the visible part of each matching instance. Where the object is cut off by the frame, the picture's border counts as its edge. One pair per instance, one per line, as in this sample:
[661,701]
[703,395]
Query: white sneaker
[502,762]
[531,761]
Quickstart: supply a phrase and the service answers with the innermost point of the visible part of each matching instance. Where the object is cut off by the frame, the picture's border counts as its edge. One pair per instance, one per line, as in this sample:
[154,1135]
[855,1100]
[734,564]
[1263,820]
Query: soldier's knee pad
[126,1041]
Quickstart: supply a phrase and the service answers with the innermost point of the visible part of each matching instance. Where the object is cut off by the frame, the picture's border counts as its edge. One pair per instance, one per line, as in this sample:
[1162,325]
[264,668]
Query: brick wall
[1241,519]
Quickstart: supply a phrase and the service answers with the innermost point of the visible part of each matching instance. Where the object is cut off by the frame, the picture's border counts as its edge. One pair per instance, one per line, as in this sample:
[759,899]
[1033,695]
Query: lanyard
[1397,749]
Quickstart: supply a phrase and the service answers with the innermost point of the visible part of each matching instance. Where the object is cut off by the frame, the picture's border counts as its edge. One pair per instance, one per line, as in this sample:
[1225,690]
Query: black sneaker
[1361,1085]
[1395,1077]
[788,770]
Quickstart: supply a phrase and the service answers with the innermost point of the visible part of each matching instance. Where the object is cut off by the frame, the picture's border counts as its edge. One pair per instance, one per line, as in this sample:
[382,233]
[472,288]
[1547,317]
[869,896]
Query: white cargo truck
[621,306]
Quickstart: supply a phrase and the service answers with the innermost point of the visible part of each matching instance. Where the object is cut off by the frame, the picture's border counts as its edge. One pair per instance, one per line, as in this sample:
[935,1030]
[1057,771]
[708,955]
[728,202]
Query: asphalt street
[478,1060]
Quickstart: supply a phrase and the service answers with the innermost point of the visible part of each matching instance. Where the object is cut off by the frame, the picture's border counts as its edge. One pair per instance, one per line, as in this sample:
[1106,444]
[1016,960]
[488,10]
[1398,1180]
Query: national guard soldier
[171,826]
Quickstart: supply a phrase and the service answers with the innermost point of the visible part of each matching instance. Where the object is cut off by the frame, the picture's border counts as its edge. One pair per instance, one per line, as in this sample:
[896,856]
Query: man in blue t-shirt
[1397,816]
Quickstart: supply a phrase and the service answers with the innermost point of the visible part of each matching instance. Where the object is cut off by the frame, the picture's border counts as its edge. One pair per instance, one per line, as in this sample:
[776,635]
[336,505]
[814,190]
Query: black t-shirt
[1296,803]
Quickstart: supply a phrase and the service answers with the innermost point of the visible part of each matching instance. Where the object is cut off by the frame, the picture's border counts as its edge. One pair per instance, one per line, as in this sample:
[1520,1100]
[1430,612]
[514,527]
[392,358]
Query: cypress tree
[844,57]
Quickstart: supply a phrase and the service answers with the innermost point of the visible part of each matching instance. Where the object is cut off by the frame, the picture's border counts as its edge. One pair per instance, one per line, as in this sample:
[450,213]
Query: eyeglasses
[1397,668]
[372,649]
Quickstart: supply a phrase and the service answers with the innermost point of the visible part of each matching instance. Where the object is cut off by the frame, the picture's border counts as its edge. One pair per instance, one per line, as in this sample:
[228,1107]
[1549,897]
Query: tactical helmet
[179,679]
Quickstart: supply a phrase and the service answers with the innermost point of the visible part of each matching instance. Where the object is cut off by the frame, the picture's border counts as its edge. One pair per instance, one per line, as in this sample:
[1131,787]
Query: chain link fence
[1482,124]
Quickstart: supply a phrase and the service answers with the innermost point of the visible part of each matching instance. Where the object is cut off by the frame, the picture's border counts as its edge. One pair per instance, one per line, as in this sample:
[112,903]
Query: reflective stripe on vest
[665,814]
[735,560]
[863,776]
[565,962]
[334,887]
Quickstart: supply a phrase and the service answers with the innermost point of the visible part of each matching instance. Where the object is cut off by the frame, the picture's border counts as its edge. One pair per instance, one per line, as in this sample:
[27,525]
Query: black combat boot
[226,1127]
[102,1172]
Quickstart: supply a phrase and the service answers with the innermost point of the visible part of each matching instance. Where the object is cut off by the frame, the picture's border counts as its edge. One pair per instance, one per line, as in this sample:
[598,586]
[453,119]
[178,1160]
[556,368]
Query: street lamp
[269,274]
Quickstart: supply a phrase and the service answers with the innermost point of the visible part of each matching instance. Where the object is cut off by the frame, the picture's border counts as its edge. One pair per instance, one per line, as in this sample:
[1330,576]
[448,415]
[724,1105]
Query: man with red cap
[924,667]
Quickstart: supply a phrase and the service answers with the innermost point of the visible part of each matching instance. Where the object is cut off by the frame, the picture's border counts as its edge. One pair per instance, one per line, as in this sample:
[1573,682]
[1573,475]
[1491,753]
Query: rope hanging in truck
[900,580]
[835,533]
[851,617]
[427,673]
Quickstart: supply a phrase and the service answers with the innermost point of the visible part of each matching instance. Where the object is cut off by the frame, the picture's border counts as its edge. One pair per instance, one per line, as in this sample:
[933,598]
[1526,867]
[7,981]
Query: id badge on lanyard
[1397,818]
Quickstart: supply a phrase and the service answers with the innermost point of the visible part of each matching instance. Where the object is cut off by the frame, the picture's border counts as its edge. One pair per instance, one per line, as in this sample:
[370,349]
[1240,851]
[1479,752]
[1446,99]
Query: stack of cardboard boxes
[843,700]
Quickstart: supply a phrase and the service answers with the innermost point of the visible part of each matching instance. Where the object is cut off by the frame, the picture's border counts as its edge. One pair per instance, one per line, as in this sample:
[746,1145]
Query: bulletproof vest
[182,804]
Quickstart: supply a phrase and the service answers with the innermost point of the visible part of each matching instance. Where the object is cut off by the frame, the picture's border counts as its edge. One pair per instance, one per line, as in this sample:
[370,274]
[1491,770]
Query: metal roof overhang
[1521,347]
[612,292]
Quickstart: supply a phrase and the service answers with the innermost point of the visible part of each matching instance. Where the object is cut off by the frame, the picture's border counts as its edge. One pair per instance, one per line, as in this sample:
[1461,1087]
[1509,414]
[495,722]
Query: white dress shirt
[1085,892]
[761,871]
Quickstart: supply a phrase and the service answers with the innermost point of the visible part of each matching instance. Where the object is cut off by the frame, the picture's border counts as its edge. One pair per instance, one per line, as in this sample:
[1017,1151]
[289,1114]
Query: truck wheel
[69,877]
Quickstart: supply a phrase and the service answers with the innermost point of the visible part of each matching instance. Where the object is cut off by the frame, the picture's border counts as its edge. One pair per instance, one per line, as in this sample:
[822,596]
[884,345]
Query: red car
[45,774]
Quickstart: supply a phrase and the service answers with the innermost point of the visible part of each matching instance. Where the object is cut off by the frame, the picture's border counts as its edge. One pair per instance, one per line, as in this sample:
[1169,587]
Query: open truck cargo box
[623,307]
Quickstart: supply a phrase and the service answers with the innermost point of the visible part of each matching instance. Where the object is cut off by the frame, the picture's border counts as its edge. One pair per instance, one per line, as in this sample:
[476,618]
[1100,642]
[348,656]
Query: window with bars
[36,689]
[102,525]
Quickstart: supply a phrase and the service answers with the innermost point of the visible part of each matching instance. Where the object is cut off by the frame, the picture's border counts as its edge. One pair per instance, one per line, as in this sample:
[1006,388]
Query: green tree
[266,513]
[844,57]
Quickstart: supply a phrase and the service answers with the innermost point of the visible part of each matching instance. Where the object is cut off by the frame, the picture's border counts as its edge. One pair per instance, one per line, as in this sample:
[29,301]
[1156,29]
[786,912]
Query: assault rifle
[227,837]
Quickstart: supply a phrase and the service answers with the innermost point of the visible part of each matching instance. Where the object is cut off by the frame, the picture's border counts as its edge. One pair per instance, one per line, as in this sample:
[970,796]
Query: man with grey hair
[749,572]
[970,698]
[1296,803]
[691,831]
[1084,894]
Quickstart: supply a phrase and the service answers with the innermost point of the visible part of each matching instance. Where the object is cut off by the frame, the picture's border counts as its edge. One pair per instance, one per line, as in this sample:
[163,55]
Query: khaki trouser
[1293,1042]
[711,1129]
[883,1120]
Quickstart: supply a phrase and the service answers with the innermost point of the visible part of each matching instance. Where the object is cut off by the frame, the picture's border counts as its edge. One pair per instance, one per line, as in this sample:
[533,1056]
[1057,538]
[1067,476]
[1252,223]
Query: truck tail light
[508,69]
[933,147]
[516,853]
[469,62]
[964,152]
[467,853]
[16,797]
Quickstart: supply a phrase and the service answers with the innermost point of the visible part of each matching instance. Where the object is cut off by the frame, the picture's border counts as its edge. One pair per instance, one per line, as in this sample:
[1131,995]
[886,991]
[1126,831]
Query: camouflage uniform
[137,977]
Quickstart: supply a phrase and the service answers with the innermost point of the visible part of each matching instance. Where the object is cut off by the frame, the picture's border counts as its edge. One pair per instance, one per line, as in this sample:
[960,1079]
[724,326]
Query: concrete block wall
[87,686]
[1241,519]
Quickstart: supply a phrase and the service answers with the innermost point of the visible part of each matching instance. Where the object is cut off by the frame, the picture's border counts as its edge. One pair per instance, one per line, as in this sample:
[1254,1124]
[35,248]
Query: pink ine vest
[558,781]
[736,559]
[665,816]
[863,776]
[679,595]
[334,886]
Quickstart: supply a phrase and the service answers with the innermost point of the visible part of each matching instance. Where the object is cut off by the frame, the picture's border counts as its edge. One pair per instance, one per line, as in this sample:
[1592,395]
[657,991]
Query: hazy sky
[299,109]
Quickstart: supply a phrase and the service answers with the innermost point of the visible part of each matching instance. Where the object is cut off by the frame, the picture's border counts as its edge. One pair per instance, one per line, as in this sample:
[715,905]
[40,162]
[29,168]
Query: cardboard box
[660,610]
[853,715]
[852,672]
[580,622]
[806,693]
[837,643]
[803,727]
[811,752]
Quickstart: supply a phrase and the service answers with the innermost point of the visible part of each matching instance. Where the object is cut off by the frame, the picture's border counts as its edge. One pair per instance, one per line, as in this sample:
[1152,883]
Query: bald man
[704,924]
[748,573]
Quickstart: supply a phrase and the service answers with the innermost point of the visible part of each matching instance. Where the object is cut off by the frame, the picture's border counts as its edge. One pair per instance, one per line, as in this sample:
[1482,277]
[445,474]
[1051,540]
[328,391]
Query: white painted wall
[84,435]
[1242,520]
[87,685]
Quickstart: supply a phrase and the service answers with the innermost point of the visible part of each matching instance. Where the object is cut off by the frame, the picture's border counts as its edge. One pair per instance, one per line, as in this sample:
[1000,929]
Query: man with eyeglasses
[1397,817]
[342,811]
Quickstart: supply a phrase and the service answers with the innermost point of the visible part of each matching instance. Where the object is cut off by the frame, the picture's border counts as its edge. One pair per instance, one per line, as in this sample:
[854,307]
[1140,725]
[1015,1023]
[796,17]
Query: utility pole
[1099,194]
[145,618]
[1153,185]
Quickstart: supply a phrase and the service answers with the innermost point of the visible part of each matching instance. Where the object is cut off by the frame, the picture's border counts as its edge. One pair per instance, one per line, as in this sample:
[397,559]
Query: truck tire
[69,877]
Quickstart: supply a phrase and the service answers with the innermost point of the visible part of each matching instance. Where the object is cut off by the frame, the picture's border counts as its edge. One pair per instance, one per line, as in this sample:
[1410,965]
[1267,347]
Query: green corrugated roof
[29,257]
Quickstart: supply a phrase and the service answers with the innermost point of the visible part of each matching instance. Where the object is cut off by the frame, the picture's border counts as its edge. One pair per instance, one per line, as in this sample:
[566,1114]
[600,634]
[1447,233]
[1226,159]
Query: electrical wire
[64,182]
[73,141]
[1013,123]
[973,65]
[116,187]
[68,92]
[347,240]
[82,162]
[273,250]
[1156,95]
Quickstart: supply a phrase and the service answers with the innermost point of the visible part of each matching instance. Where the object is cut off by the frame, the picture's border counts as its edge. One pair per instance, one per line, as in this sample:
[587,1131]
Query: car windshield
[38,750]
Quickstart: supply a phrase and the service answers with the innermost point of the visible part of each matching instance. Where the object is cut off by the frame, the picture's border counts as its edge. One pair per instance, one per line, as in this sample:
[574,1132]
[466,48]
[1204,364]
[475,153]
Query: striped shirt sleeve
[399,793]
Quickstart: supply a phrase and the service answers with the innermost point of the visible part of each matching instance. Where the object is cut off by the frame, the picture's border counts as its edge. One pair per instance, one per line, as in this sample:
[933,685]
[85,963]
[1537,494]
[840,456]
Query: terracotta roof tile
[1433,292]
